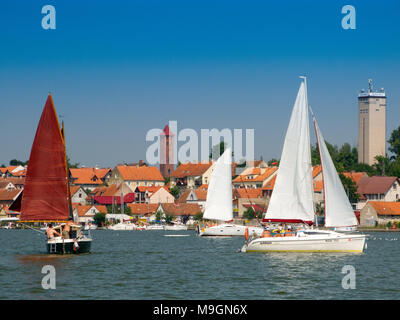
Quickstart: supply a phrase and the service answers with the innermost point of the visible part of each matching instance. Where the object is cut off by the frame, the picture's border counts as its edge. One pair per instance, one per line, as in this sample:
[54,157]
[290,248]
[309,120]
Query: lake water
[148,265]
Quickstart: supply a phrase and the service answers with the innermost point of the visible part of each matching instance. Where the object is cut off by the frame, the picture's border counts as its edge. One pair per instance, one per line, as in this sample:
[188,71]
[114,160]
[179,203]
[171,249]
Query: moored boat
[219,202]
[292,198]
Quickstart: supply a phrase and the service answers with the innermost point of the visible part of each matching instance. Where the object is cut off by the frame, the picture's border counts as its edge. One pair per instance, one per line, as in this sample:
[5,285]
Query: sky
[117,69]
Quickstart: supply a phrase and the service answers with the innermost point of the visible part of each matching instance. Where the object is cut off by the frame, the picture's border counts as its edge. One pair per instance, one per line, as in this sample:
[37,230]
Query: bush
[99,218]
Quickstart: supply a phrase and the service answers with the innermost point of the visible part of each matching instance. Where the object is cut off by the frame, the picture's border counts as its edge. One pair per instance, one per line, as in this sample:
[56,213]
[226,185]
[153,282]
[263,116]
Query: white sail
[292,198]
[219,193]
[338,210]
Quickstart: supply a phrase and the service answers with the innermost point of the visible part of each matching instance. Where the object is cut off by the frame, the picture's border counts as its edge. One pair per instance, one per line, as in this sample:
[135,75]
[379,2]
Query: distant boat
[46,195]
[176,227]
[123,226]
[292,198]
[219,202]
[155,227]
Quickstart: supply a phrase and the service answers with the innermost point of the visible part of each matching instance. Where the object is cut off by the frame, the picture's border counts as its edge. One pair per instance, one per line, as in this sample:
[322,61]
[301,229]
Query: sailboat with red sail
[46,195]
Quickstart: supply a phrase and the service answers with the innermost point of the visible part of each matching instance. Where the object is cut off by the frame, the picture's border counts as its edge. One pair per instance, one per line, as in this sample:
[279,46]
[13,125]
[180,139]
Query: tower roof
[167,132]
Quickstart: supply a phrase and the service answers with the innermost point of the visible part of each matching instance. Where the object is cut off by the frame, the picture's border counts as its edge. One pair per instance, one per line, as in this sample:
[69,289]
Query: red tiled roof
[180,209]
[270,184]
[11,195]
[142,208]
[375,185]
[249,193]
[318,186]
[355,176]
[137,173]
[88,175]
[316,170]
[260,178]
[82,209]
[201,195]
[14,180]
[128,198]
[191,169]
[386,207]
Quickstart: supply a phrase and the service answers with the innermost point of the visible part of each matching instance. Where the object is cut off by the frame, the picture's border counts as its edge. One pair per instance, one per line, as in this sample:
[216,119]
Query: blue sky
[118,69]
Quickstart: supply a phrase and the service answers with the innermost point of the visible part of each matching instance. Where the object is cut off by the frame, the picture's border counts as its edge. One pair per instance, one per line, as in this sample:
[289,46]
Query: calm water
[148,265]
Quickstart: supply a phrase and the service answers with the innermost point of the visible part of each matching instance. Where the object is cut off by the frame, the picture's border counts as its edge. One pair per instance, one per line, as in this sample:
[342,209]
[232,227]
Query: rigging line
[32,228]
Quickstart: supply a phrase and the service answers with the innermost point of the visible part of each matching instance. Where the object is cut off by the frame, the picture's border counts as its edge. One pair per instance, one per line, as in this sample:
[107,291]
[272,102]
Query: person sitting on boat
[67,229]
[51,232]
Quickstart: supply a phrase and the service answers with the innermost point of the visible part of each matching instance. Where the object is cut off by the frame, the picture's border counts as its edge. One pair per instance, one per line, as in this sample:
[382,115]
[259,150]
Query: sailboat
[46,195]
[219,202]
[292,199]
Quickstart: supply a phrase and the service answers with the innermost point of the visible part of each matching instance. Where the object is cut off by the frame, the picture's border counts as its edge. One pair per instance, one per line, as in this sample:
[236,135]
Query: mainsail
[219,193]
[45,195]
[338,210]
[292,198]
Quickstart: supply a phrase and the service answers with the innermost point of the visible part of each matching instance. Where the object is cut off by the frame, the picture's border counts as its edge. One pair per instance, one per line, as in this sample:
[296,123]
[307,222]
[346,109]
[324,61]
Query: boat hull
[66,246]
[329,242]
[228,230]
[175,228]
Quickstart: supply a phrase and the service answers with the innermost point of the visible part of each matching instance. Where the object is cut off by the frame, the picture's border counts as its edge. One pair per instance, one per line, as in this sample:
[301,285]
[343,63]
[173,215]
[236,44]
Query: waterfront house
[377,188]
[153,194]
[7,197]
[198,196]
[7,185]
[254,177]
[86,213]
[89,178]
[379,212]
[245,197]
[78,195]
[111,195]
[181,212]
[192,174]
[137,175]
[140,210]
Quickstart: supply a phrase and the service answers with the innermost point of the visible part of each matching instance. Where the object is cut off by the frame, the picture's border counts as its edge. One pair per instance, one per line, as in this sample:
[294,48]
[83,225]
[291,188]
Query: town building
[192,174]
[244,198]
[152,194]
[254,177]
[89,178]
[198,196]
[78,195]
[379,213]
[377,188]
[371,125]
[86,213]
[136,175]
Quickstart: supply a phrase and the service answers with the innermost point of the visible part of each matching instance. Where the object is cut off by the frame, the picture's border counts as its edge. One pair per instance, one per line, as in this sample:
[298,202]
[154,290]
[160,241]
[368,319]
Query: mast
[67,174]
[312,182]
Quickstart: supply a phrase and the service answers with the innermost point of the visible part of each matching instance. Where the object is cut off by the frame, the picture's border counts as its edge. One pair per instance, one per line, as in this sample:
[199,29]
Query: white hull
[229,230]
[123,226]
[176,227]
[308,241]
[345,229]
[155,227]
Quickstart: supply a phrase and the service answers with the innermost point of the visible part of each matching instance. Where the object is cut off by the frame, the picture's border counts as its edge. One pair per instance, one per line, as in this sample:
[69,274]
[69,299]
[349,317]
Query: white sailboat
[219,202]
[292,198]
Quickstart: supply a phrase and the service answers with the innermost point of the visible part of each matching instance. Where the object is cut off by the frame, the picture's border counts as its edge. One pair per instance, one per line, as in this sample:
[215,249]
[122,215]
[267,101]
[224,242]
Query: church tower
[166,152]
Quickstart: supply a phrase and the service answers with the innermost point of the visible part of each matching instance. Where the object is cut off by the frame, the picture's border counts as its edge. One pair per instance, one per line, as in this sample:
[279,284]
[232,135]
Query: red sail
[45,194]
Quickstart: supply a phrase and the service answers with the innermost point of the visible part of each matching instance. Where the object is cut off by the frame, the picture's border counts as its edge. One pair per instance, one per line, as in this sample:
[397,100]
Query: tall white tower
[371,124]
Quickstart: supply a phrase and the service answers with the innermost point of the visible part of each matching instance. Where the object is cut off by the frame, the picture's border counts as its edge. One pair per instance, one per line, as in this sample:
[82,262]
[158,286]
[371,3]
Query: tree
[168,218]
[99,218]
[350,187]
[15,162]
[382,165]
[159,215]
[198,216]
[72,165]
[175,192]
[250,214]
[274,162]
[394,142]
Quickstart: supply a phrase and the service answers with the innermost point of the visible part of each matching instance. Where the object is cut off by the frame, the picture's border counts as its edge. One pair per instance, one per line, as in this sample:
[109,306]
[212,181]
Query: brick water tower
[166,152]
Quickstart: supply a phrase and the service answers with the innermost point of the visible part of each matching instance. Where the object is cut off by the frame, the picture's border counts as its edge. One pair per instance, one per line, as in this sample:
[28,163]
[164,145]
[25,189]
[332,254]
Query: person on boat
[51,232]
[67,229]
